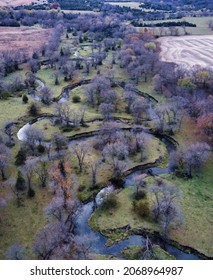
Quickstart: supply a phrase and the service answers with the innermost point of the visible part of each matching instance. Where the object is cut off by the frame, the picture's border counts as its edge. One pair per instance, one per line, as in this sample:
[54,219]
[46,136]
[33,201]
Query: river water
[86,210]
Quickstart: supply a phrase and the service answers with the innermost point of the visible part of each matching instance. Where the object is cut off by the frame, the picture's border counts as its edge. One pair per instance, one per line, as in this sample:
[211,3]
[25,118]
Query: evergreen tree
[20,182]
[20,157]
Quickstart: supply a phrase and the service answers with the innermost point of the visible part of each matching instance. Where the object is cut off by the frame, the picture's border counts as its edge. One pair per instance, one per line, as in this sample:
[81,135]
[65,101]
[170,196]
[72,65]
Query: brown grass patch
[24,39]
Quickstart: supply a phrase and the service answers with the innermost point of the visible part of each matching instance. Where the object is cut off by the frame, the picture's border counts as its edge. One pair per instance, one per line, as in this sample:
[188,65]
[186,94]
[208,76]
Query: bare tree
[67,116]
[80,151]
[52,242]
[141,144]
[82,112]
[33,137]
[46,95]
[30,80]
[34,65]
[28,171]
[16,252]
[56,76]
[42,171]
[5,155]
[59,141]
[9,132]
[107,134]
[94,168]
[106,109]
[117,149]
[129,97]
[189,160]
[165,209]
[138,110]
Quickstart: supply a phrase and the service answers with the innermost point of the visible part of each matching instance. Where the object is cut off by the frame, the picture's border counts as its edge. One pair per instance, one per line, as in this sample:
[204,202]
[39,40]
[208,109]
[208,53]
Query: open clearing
[188,50]
[133,5]
[26,39]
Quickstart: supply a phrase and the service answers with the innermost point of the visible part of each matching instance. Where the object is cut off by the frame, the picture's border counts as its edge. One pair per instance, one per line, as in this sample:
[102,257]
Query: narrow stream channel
[82,228]
[98,243]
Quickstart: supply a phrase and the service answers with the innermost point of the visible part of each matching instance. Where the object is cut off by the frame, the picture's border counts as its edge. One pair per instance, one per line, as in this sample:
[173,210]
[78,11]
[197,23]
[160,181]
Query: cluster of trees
[15,85]
[139,55]
[18,17]
[164,24]
[69,118]
[99,93]
[10,62]
[187,5]
[188,161]
[57,239]
[117,145]
[166,210]
[157,5]
[88,5]
[190,91]
[161,205]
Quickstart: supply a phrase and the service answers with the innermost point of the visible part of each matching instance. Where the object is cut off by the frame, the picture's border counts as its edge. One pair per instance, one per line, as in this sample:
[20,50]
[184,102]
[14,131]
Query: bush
[140,194]
[25,99]
[81,188]
[20,182]
[34,109]
[141,207]
[41,149]
[76,99]
[111,202]
[31,193]
[4,94]
[21,157]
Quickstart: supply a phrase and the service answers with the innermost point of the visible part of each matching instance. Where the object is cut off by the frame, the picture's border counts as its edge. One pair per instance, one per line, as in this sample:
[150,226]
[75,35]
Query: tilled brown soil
[188,50]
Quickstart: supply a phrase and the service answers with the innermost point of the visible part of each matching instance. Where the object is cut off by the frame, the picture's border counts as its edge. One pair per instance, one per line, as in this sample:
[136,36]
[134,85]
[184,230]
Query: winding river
[99,241]
[86,210]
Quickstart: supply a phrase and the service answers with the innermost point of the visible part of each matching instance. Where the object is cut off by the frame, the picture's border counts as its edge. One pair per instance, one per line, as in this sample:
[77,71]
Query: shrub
[31,193]
[4,94]
[81,188]
[25,99]
[41,149]
[76,99]
[21,157]
[141,207]
[34,109]
[111,202]
[140,194]
[20,182]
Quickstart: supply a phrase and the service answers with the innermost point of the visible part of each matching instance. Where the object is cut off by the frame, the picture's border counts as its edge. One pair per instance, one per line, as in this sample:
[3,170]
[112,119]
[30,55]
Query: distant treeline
[86,5]
[172,5]
[164,24]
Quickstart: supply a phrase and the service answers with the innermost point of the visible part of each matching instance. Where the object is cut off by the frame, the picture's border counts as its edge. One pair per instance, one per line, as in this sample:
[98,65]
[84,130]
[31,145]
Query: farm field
[200,29]
[24,39]
[188,50]
[133,5]
[79,12]
[15,2]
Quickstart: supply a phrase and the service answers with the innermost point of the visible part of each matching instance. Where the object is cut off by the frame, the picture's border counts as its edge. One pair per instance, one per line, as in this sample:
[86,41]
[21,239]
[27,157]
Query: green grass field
[20,225]
[197,208]
[201,28]
[196,204]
